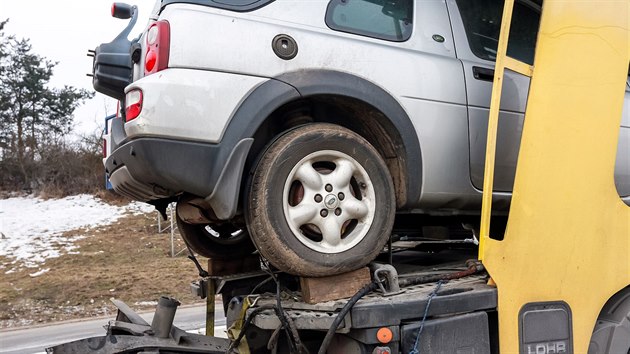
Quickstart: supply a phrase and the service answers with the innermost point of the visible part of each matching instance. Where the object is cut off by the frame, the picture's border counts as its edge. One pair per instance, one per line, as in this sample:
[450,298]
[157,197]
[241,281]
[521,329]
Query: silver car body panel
[223,55]
[188,107]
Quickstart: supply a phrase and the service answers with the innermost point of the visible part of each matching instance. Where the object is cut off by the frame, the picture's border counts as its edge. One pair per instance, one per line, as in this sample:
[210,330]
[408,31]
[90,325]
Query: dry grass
[128,260]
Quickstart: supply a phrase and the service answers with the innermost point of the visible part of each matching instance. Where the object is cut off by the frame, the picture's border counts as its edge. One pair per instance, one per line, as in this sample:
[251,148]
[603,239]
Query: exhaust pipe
[164,315]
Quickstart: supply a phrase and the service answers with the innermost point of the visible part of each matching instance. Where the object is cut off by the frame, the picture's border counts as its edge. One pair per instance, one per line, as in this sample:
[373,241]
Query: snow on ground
[31,228]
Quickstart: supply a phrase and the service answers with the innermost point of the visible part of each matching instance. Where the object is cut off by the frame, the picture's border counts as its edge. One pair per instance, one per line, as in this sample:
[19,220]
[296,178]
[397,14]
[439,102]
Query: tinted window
[482,22]
[384,19]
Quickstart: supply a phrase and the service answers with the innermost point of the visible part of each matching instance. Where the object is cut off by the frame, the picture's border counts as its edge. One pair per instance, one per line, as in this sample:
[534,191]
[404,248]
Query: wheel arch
[612,325]
[328,96]
[613,303]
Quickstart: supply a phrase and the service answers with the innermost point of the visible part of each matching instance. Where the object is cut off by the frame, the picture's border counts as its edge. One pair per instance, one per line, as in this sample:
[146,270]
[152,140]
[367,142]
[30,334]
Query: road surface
[36,339]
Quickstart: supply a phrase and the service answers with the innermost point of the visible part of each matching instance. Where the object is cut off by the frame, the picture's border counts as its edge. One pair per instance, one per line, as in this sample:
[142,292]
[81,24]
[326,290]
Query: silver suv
[306,126]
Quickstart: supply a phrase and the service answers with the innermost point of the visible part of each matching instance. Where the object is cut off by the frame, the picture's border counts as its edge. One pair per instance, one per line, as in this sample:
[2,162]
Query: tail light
[133,104]
[104,148]
[158,46]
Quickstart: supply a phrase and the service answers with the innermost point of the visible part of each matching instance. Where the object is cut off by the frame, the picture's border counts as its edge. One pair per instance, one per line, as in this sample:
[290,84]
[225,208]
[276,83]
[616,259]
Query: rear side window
[482,22]
[383,19]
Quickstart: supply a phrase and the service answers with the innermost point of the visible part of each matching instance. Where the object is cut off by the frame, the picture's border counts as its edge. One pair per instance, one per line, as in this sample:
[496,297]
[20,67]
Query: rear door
[476,25]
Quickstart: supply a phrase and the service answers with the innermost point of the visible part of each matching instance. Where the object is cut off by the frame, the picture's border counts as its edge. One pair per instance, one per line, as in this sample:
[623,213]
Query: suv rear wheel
[320,202]
[219,241]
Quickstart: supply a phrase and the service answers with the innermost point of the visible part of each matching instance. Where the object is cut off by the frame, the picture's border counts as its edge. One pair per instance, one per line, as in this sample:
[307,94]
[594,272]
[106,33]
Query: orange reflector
[384,335]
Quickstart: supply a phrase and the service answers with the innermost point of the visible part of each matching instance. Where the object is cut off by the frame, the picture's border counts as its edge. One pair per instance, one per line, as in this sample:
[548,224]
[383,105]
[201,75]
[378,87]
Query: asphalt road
[36,339]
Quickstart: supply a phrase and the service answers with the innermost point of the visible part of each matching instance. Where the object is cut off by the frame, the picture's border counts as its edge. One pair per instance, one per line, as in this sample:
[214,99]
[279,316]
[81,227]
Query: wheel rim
[329,201]
[224,234]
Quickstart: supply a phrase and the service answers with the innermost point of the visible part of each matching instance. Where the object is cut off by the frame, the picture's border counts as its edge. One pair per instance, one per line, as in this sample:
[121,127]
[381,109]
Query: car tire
[320,201]
[218,241]
[612,330]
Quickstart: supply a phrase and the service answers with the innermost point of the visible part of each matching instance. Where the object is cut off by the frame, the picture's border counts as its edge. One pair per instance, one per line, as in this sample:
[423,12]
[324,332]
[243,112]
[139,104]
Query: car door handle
[483,74]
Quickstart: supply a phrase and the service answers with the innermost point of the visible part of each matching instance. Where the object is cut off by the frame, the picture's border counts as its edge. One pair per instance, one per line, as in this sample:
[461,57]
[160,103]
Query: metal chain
[424,317]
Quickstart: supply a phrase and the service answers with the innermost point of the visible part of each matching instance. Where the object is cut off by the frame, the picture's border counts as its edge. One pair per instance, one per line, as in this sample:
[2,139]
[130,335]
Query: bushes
[58,169]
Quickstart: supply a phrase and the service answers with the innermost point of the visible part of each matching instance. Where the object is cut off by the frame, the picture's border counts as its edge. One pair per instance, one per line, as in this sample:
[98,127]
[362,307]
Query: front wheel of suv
[320,201]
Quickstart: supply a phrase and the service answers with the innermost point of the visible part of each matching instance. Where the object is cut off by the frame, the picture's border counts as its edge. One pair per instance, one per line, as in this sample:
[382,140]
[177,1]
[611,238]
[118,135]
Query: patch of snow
[31,227]
[38,273]
[146,303]
[138,208]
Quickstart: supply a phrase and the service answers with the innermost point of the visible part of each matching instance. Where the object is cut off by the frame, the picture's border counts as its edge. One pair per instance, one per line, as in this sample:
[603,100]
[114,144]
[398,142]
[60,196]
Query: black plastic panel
[457,334]
[112,68]
[545,327]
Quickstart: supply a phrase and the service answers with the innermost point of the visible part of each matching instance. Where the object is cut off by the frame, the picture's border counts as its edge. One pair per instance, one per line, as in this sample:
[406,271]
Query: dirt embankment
[128,260]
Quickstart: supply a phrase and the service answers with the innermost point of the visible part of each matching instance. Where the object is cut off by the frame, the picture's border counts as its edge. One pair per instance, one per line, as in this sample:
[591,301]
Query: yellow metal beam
[210,297]
[568,233]
[493,124]
[519,66]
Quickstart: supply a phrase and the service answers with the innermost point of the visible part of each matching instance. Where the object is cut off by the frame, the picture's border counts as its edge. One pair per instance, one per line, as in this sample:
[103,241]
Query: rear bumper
[149,168]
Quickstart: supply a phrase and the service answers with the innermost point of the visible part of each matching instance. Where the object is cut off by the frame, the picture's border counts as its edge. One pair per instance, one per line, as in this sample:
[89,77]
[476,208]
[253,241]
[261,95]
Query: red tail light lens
[158,47]
[133,104]
[150,60]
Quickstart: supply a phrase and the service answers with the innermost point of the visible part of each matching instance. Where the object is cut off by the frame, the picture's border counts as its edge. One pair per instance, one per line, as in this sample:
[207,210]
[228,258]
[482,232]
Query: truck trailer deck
[413,302]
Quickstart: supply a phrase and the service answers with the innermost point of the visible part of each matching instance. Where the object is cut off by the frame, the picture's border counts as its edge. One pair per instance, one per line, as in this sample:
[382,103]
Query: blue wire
[424,317]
